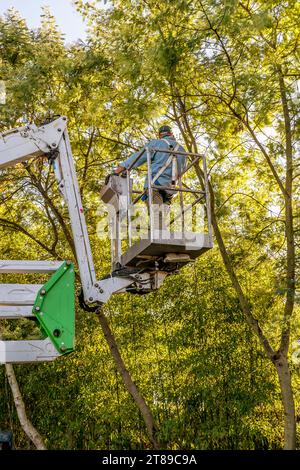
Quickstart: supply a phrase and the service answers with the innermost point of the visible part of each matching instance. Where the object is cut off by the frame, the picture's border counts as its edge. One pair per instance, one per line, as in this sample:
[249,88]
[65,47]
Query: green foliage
[211,69]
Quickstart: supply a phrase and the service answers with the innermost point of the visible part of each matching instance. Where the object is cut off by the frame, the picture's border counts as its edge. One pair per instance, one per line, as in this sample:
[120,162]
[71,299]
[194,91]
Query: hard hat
[165,130]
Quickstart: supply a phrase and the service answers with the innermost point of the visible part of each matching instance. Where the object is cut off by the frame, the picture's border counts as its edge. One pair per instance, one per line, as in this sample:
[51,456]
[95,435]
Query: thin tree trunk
[279,358]
[25,422]
[128,382]
[251,320]
[284,375]
[282,365]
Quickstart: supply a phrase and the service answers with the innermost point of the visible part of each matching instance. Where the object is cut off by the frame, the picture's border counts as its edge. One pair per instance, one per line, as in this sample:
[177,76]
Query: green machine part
[54,308]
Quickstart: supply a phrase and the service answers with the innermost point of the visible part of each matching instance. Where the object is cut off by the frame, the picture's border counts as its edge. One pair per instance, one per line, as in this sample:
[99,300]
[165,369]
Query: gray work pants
[161,209]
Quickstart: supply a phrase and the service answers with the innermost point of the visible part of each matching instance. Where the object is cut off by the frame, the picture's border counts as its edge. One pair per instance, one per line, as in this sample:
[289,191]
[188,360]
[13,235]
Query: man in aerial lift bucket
[161,198]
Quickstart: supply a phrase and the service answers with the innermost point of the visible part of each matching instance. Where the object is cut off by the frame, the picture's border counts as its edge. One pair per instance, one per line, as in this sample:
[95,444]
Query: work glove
[108,177]
[122,174]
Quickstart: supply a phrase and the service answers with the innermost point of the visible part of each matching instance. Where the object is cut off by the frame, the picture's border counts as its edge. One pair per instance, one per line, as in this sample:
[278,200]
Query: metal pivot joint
[51,304]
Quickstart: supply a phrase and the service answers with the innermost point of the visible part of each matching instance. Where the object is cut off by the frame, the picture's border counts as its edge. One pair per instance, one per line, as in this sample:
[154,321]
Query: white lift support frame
[18,300]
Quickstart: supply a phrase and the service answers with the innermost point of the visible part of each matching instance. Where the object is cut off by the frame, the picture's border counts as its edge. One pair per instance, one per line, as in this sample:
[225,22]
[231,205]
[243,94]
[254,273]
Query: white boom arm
[131,273]
[17,300]
[53,141]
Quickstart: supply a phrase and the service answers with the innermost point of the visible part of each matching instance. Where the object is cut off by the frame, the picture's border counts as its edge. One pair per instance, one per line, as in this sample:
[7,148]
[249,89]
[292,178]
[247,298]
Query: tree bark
[25,422]
[284,375]
[289,226]
[128,382]
[282,365]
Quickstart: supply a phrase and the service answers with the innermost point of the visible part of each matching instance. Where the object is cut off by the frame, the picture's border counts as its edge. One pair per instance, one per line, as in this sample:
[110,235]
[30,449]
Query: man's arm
[127,163]
[140,161]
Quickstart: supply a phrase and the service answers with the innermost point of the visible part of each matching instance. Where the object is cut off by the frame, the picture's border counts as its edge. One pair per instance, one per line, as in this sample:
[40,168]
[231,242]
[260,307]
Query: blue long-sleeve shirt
[158,160]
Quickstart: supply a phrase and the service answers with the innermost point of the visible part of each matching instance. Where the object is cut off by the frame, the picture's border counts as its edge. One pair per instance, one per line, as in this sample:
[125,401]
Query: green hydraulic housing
[54,308]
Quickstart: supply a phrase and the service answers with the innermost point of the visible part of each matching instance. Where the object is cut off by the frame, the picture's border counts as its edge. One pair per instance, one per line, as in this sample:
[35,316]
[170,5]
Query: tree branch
[25,422]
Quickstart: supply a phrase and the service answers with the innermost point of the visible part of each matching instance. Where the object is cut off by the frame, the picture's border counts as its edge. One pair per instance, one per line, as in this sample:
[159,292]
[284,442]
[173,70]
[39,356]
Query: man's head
[164,131]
